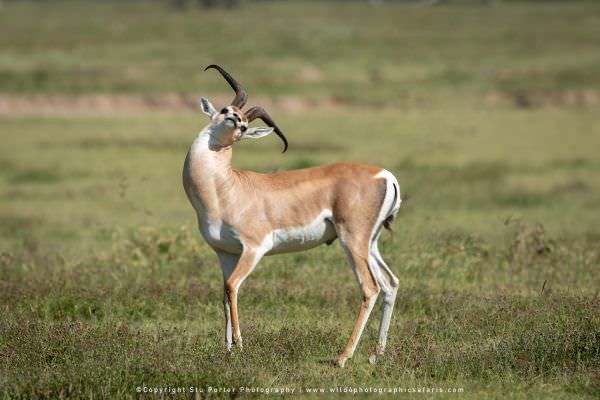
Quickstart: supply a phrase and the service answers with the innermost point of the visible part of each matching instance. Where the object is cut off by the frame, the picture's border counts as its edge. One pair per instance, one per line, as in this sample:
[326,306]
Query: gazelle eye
[243,128]
[224,111]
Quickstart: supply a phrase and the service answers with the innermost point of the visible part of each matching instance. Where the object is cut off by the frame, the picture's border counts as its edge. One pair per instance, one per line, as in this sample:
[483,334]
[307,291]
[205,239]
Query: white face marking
[229,126]
[233,120]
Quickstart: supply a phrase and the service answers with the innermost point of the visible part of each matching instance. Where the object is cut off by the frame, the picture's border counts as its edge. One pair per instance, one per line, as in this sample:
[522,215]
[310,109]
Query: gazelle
[244,215]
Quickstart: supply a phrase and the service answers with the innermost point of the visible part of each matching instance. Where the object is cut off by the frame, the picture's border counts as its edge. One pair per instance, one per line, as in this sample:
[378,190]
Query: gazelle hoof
[341,361]
[373,359]
[238,343]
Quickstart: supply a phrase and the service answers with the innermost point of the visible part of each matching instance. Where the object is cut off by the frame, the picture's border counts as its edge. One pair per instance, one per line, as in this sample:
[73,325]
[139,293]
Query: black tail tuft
[387,223]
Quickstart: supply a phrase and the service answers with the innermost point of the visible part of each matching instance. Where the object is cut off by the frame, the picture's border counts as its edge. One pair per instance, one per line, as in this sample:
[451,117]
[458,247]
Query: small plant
[529,243]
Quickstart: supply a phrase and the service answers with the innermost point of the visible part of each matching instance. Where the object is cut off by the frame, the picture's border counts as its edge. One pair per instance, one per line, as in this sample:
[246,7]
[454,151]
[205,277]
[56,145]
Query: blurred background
[483,109]
[487,112]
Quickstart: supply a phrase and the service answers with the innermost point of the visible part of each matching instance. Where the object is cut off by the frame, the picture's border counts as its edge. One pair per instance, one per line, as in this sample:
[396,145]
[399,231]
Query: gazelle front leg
[370,289]
[228,263]
[244,266]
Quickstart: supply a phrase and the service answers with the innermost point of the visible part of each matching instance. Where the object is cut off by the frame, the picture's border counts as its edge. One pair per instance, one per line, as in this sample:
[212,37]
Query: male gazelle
[244,215]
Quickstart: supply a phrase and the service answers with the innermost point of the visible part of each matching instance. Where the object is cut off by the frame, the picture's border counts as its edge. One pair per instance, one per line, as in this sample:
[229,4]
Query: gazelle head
[231,124]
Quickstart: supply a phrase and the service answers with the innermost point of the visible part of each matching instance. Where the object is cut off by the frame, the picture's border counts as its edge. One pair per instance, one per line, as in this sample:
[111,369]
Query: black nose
[224,111]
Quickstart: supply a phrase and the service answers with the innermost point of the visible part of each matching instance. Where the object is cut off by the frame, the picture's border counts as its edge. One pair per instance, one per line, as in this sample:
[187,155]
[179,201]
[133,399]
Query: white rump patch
[390,205]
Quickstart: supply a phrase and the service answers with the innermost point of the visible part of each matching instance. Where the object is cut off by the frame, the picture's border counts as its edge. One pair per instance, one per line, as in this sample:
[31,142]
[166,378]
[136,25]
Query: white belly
[317,232]
[221,236]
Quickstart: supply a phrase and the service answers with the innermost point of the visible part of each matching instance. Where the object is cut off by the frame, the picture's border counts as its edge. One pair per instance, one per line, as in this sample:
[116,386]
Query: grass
[81,177]
[105,284]
[357,54]
[489,319]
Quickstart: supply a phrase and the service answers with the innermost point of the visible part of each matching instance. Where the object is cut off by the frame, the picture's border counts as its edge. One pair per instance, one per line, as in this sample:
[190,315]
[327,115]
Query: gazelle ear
[257,132]
[207,107]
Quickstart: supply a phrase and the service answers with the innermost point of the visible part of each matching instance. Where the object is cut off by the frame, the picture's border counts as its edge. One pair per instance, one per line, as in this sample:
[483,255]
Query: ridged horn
[240,94]
[259,112]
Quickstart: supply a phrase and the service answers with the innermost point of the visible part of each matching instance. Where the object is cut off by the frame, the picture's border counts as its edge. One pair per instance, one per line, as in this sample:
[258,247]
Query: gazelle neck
[207,173]
[209,158]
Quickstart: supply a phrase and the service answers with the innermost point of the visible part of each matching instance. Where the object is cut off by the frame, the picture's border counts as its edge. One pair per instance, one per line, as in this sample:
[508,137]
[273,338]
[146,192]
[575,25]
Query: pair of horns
[240,101]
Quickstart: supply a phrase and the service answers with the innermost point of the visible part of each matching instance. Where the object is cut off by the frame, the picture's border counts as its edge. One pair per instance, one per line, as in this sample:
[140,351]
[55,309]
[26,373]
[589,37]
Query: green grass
[351,53]
[82,177]
[106,285]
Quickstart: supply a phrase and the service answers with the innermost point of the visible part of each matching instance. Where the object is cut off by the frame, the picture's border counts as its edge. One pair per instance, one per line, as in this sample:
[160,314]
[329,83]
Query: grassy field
[488,116]
[354,53]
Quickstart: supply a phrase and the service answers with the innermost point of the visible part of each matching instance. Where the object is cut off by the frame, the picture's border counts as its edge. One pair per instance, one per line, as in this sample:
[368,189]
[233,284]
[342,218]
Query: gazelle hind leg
[384,275]
[389,287]
[369,288]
